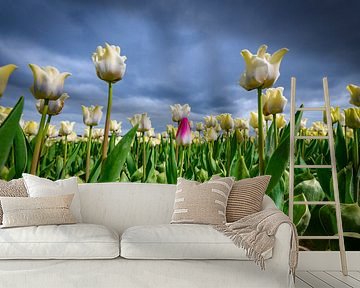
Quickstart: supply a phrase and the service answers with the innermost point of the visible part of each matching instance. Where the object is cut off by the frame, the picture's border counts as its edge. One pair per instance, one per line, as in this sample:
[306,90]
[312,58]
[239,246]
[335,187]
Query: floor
[327,279]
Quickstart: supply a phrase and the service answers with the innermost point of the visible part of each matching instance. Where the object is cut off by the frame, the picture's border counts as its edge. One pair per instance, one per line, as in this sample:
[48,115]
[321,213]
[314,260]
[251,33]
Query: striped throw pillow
[246,197]
[201,203]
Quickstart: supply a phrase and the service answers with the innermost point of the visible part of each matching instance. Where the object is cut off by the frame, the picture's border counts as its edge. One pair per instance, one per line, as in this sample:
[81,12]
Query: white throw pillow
[180,241]
[41,187]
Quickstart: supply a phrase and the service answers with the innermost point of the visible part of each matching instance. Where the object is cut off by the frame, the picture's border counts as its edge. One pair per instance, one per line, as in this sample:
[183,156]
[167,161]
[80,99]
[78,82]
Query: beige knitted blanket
[256,234]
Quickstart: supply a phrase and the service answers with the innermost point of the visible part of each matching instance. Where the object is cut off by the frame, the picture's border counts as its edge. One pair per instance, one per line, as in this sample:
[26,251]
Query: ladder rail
[334,177]
[292,148]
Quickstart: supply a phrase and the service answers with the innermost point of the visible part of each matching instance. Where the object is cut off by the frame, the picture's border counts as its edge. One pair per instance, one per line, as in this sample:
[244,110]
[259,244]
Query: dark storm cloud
[179,51]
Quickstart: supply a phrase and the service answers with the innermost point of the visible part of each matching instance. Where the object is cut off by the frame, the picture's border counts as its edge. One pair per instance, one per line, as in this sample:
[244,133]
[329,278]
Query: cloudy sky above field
[179,52]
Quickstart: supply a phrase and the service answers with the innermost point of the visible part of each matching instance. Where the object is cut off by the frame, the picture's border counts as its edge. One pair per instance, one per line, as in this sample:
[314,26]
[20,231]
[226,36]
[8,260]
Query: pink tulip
[183,135]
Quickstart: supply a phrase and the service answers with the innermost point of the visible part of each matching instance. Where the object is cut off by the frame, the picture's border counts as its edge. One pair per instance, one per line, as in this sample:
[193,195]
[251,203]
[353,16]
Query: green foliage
[8,130]
[113,164]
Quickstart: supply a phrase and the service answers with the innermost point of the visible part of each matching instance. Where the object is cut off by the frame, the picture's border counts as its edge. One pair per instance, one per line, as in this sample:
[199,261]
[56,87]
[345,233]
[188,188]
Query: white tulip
[135,120]
[98,133]
[199,126]
[254,120]
[226,121]
[179,112]
[210,134]
[274,101]
[262,69]
[142,120]
[145,123]
[4,112]
[66,128]
[55,106]
[72,137]
[92,115]
[5,72]
[115,127]
[303,122]
[150,133]
[51,131]
[354,94]
[31,128]
[109,65]
[48,82]
[241,124]
[280,121]
[210,121]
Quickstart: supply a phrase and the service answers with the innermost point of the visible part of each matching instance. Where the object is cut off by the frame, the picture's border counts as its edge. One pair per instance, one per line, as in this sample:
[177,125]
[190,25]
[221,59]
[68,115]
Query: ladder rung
[312,166]
[311,137]
[311,109]
[315,202]
[319,237]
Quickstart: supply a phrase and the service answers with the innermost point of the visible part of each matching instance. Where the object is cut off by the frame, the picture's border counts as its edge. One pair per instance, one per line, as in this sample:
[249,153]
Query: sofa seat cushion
[74,241]
[180,241]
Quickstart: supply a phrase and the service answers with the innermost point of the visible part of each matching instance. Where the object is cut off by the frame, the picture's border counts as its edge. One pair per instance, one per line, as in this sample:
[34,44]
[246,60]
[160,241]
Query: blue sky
[179,52]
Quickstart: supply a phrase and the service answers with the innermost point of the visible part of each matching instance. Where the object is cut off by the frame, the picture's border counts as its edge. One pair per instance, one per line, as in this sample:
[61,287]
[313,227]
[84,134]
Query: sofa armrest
[279,263]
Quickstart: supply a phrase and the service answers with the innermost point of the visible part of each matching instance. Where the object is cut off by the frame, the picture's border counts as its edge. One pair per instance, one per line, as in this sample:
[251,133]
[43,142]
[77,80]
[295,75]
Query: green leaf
[171,166]
[130,163]
[95,172]
[278,161]
[340,148]
[324,177]
[350,215]
[277,194]
[150,167]
[238,168]
[70,160]
[311,189]
[345,184]
[20,152]
[302,214]
[8,130]
[114,162]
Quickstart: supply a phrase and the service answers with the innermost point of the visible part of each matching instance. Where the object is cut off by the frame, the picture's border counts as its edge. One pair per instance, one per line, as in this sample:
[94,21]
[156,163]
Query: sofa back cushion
[122,205]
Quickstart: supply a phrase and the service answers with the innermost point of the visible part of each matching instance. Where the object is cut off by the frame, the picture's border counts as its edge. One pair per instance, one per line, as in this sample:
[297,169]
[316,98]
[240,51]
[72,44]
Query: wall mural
[49,146]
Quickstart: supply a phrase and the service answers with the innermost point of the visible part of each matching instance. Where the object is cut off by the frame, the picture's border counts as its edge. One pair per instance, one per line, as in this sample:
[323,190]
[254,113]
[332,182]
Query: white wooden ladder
[330,138]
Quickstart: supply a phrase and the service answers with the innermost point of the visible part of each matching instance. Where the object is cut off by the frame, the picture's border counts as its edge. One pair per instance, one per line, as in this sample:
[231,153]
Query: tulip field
[220,144]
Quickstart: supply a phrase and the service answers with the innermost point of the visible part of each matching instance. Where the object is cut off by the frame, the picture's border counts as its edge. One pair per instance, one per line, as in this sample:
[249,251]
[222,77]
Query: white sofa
[119,206]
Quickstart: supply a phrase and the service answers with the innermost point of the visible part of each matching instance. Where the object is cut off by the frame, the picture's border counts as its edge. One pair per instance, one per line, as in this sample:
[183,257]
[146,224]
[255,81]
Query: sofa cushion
[181,241]
[73,241]
[41,187]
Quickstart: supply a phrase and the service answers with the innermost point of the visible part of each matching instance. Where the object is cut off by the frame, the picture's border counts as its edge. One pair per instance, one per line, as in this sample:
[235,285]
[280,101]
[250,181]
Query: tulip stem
[107,124]
[275,131]
[228,153]
[356,163]
[39,138]
[181,161]
[144,157]
[63,173]
[260,133]
[88,151]
[45,131]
